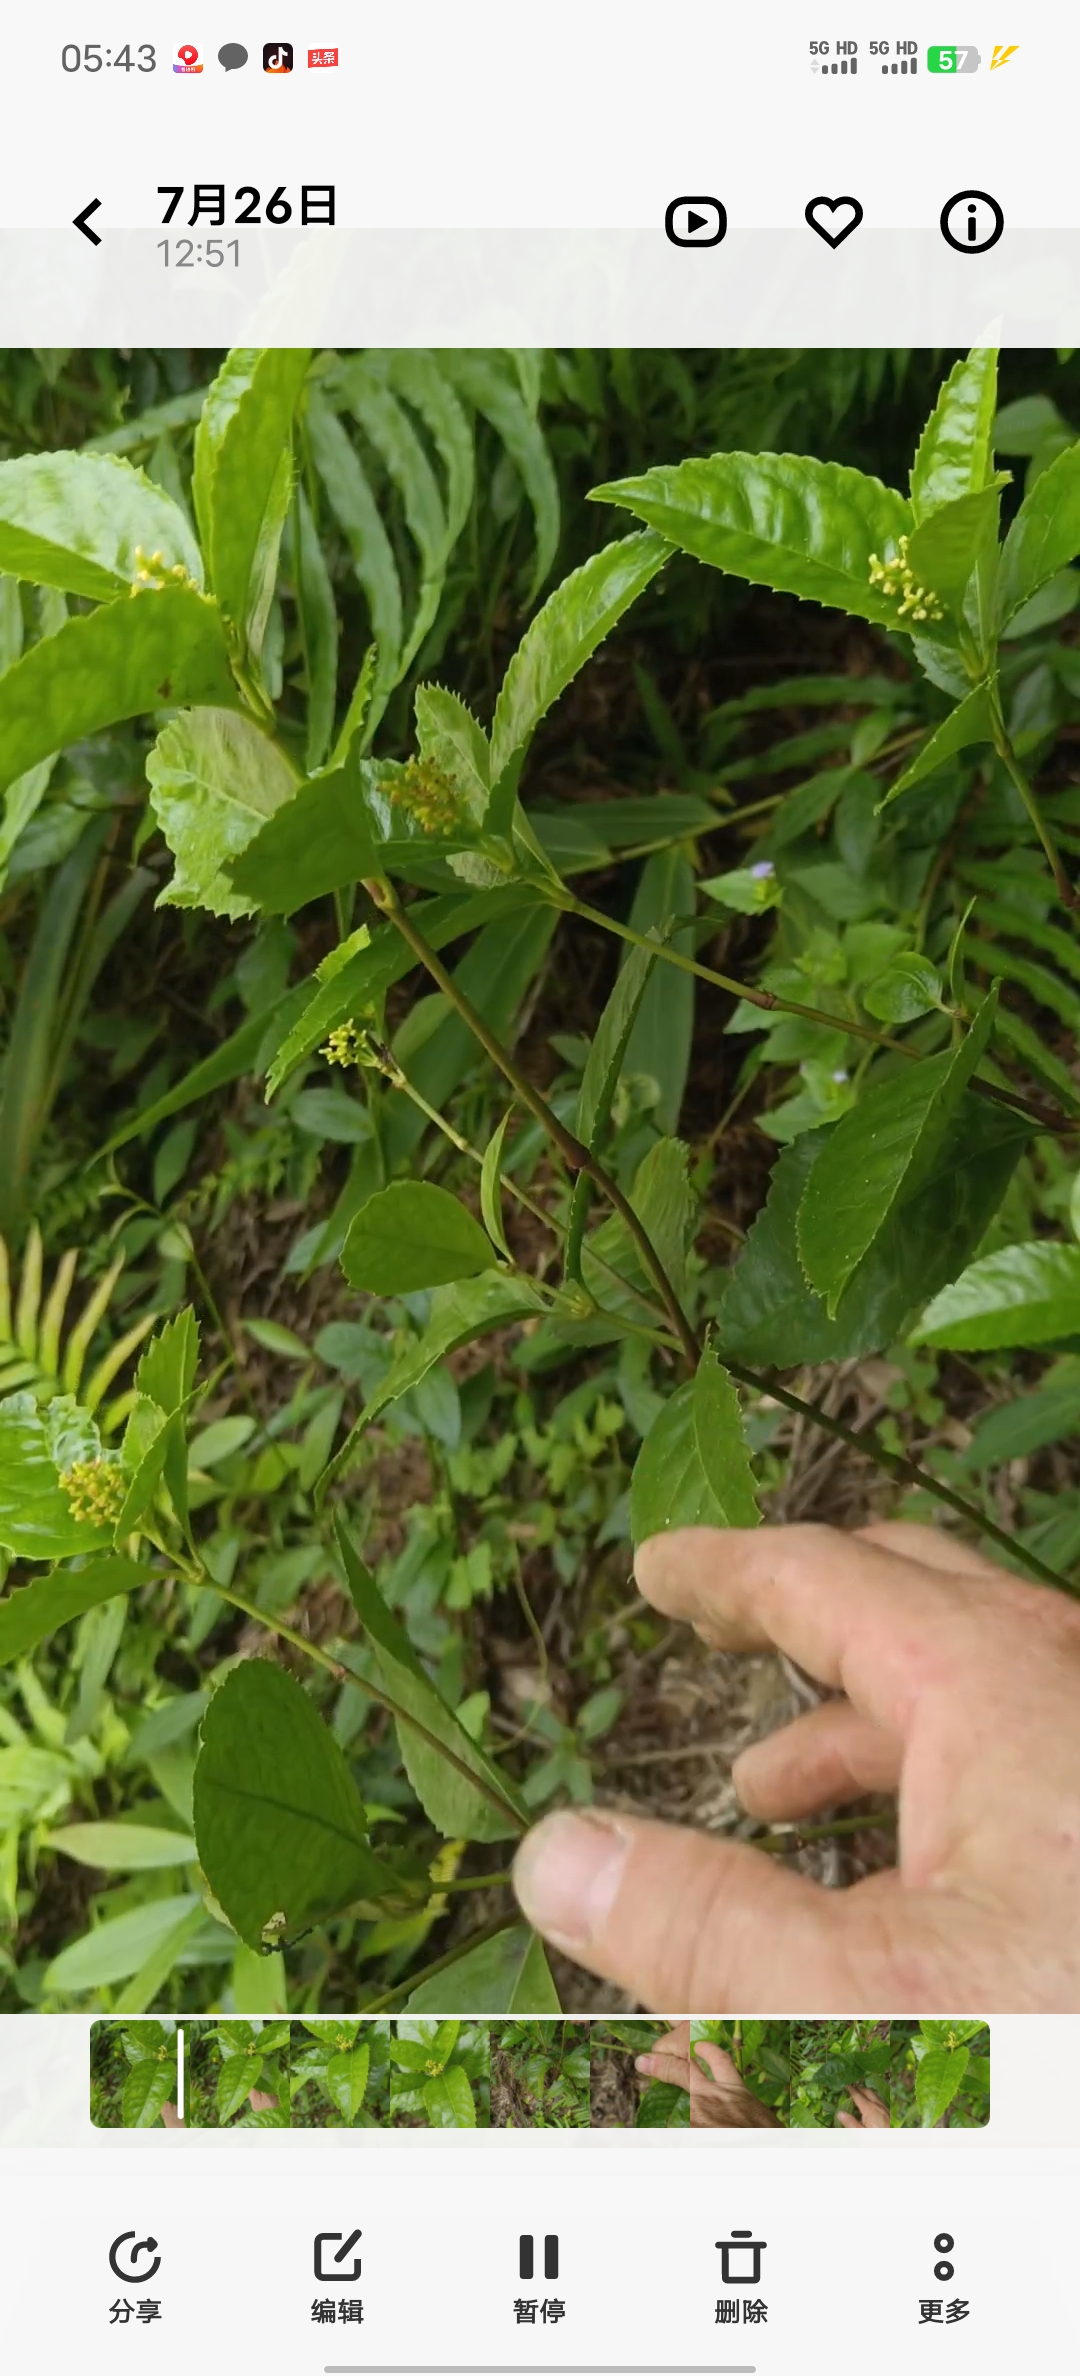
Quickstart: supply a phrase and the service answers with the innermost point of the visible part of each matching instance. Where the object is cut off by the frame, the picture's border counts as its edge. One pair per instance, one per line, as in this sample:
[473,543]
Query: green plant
[941,2074]
[133,2073]
[917,1129]
[240,2057]
[540,2074]
[419,2074]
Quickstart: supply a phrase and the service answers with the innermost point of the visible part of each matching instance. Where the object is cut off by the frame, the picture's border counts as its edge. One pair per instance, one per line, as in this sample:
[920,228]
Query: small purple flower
[762,870]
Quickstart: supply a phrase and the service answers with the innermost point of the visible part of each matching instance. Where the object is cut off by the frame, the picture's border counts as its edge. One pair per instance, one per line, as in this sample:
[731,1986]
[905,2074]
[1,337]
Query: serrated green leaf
[166,1371]
[660,1042]
[449,1799]
[450,737]
[782,520]
[665,1202]
[448,2099]
[693,1468]
[607,1047]
[89,523]
[1044,536]
[279,1822]
[346,2079]
[507,1974]
[459,1314]
[388,428]
[945,549]
[324,839]
[149,2085]
[1021,1295]
[413,1235]
[970,722]
[214,780]
[937,2081]
[317,613]
[32,1612]
[239,2073]
[955,451]
[770,1316]
[242,478]
[127,658]
[486,383]
[880,1154]
[416,375]
[350,498]
[564,634]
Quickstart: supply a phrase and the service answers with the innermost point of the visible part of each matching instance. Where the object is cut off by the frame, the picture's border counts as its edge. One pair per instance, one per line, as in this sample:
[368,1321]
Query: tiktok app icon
[277,57]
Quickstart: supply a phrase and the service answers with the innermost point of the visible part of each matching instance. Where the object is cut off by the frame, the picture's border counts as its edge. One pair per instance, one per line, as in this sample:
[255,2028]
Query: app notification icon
[322,57]
[277,57]
[187,60]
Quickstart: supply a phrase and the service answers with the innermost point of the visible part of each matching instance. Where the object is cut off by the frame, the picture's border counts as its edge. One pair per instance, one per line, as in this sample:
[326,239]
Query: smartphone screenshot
[539,1190]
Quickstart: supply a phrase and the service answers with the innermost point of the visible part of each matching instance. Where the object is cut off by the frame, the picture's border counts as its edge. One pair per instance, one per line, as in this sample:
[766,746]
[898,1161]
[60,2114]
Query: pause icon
[527,2256]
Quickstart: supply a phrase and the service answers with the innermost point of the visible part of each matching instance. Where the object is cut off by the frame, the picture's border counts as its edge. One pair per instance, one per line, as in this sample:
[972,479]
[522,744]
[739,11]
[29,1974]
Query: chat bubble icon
[232,55]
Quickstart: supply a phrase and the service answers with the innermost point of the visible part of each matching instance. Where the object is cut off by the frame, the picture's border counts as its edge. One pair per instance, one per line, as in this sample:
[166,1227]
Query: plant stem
[1066,891]
[906,1472]
[799,1835]
[771,1003]
[577,1157]
[442,1963]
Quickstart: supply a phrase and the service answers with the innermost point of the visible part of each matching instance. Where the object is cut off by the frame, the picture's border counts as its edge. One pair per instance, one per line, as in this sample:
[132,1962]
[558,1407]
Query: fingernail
[644,2064]
[567,1875]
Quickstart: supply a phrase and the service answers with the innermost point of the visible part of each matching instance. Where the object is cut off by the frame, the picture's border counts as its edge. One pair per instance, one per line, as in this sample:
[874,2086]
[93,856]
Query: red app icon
[187,60]
[322,57]
[277,57]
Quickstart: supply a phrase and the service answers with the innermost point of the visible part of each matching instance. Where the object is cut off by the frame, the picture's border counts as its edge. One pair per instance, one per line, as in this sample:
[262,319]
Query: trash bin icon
[740,2258]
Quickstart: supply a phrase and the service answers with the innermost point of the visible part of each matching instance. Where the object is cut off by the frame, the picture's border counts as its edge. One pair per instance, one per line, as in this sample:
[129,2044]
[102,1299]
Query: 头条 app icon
[187,60]
[277,57]
[322,57]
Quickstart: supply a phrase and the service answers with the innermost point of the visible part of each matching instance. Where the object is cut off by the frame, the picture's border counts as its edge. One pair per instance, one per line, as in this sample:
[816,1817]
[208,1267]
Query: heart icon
[834,218]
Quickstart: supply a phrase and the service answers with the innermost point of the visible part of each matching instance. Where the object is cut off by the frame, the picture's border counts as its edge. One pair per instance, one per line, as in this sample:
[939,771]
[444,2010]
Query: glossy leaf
[938,2077]
[448,2099]
[1021,1295]
[239,2073]
[214,780]
[882,1152]
[89,523]
[970,722]
[491,1185]
[946,548]
[32,1612]
[413,1235]
[242,478]
[664,1200]
[346,2079]
[564,634]
[909,986]
[127,658]
[955,451]
[279,1822]
[148,2087]
[693,1468]
[1044,536]
[770,1314]
[323,839]
[507,1974]
[449,1800]
[782,520]
[450,737]
[317,613]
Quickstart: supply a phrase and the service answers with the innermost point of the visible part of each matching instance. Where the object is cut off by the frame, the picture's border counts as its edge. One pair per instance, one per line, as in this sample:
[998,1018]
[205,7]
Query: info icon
[277,57]
[695,222]
[972,221]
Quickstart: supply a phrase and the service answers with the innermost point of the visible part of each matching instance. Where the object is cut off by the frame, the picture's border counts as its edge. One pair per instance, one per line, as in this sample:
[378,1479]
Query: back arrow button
[81,222]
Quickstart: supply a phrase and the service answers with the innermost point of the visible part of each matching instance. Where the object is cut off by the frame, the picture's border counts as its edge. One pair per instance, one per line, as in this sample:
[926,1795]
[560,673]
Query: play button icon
[695,222]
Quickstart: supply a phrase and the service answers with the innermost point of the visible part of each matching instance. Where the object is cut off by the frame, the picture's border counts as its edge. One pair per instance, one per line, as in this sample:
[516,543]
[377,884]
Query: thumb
[684,1922]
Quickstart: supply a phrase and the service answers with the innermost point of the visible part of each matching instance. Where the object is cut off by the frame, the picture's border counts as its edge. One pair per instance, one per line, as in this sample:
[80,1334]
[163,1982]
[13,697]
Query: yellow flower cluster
[96,1491]
[898,577]
[152,574]
[346,1046]
[427,795]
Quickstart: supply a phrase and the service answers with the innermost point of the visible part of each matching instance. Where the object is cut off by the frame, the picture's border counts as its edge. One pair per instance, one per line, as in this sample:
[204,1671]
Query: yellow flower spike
[96,1491]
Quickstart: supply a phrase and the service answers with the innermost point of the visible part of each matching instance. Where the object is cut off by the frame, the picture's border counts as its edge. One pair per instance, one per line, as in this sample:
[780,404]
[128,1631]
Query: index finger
[860,1617]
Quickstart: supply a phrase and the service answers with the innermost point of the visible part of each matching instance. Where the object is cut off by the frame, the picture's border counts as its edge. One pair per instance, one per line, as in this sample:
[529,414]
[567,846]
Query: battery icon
[953,60]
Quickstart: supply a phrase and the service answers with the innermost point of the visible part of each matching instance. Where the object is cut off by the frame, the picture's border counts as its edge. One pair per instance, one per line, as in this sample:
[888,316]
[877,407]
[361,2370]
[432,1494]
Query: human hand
[869,2111]
[719,2098]
[961,1690]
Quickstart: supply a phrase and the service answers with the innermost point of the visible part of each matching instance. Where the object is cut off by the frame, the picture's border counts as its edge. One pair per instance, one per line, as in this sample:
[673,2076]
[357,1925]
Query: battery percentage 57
[952,60]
